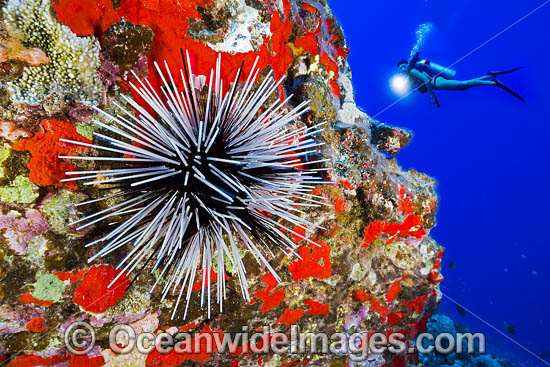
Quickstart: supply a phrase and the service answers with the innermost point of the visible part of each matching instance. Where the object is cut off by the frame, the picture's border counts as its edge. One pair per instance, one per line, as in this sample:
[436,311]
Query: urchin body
[204,179]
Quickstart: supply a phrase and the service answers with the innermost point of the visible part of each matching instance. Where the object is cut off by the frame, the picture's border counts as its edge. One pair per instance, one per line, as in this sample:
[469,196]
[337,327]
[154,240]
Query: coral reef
[374,266]
[73,61]
[438,324]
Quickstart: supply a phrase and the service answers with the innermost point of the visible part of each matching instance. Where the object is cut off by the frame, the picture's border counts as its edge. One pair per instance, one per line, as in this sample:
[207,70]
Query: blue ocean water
[487,150]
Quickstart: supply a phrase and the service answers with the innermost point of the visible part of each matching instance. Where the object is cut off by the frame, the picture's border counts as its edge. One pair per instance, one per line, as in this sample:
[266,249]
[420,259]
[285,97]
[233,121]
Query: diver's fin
[497,73]
[499,84]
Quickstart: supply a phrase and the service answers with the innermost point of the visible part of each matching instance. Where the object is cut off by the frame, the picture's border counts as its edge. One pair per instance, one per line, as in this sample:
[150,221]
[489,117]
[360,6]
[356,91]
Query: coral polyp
[217,170]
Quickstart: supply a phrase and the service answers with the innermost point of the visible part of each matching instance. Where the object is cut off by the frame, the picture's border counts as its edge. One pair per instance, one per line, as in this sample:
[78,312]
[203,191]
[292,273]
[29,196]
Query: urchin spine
[203,179]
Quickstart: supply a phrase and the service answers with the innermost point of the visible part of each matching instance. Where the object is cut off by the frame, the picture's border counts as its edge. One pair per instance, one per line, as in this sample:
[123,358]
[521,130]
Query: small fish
[510,329]
[461,311]
[452,265]
[544,355]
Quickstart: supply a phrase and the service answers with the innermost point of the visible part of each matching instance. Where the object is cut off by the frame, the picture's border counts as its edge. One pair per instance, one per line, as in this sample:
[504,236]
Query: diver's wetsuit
[420,85]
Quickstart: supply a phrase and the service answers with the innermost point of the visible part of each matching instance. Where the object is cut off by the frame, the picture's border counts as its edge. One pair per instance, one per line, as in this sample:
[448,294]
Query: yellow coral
[72,69]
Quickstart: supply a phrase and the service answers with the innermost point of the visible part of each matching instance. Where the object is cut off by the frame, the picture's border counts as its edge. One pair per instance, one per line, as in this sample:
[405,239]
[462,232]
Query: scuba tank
[435,69]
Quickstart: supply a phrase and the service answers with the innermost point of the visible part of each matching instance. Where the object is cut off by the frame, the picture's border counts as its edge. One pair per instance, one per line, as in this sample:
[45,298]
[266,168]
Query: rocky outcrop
[372,268]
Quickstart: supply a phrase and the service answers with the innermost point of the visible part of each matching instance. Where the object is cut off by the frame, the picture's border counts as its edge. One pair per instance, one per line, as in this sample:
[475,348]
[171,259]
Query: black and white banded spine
[202,180]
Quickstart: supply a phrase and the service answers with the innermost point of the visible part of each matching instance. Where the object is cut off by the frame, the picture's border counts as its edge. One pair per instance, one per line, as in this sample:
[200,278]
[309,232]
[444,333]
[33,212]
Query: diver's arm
[424,79]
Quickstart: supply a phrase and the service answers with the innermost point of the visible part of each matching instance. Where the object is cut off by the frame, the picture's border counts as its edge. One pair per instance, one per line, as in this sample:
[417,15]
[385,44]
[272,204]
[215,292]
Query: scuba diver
[428,76]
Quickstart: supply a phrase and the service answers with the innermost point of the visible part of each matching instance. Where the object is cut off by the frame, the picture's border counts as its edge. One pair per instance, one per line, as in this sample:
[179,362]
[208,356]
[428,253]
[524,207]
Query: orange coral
[437,262]
[395,288]
[333,231]
[405,205]
[416,304]
[395,318]
[435,277]
[28,298]
[315,262]
[316,308]
[271,299]
[71,277]
[380,309]
[188,326]
[290,316]
[411,226]
[36,325]
[93,293]
[169,20]
[339,205]
[318,190]
[373,230]
[299,233]
[176,358]
[45,167]
[346,184]
[360,295]
[85,361]
[30,360]
[86,18]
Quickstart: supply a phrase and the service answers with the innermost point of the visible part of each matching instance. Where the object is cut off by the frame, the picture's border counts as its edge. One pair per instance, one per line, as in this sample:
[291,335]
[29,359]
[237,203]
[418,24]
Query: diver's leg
[446,84]
[479,82]
[449,84]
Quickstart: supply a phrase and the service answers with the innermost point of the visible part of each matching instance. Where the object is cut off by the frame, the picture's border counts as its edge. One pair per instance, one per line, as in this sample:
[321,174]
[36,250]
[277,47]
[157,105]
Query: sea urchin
[213,172]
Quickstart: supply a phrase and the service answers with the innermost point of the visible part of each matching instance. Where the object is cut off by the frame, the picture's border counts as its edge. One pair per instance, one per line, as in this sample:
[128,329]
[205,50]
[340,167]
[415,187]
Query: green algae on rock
[59,210]
[74,61]
[20,191]
[47,287]
[5,151]
[86,130]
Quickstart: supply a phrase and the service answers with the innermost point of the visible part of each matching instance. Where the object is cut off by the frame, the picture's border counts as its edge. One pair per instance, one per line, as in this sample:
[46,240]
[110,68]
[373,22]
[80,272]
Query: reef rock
[373,268]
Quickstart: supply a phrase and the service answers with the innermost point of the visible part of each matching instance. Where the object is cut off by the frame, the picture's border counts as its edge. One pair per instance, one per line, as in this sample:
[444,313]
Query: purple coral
[20,231]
